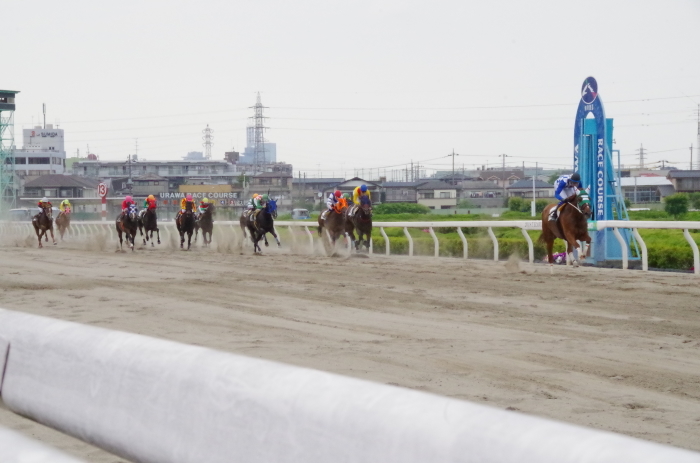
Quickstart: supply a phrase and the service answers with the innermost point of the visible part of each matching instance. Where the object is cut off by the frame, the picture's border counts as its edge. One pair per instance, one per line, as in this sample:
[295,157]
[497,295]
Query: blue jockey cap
[363,188]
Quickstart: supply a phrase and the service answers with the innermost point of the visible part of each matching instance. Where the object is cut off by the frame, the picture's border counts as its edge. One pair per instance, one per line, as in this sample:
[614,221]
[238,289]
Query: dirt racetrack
[611,349]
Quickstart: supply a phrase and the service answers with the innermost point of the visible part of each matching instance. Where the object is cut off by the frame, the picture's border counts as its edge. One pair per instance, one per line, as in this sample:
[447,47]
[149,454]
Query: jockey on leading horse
[128,201]
[332,201]
[183,205]
[259,203]
[357,194]
[565,186]
[43,204]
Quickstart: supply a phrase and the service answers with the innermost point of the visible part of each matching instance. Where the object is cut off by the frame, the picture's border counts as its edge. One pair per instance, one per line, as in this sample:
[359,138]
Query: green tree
[540,204]
[676,205]
[466,204]
[695,200]
[515,204]
[628,203]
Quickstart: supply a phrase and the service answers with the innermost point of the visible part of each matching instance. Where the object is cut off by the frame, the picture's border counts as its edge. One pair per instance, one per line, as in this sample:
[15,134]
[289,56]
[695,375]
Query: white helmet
[44,200]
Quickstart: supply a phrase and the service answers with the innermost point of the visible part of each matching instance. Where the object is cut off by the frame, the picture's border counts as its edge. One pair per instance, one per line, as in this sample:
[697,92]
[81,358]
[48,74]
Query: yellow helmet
[205,200]
[151,197]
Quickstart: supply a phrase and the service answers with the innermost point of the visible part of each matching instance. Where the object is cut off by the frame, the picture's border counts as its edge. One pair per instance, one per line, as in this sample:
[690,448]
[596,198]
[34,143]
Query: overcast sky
[360,84]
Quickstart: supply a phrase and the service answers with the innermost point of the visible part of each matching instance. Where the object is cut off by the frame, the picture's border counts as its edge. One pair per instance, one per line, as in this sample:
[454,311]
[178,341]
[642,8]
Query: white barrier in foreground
[85,228]
[15,448]
[152,400]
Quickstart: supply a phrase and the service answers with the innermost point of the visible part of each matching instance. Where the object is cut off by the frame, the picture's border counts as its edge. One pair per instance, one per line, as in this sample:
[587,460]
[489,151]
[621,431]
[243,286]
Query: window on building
[39,160]
[430,195]
[445,195]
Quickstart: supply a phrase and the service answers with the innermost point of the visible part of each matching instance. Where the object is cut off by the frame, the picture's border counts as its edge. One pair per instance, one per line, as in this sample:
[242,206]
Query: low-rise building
[437,195]
[646,189]
[310,189]
[685,181]
[401,192]
[59,187]
[523,189]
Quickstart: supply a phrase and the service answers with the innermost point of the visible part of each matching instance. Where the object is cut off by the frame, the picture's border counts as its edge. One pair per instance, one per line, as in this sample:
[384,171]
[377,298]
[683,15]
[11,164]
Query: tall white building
[43,152]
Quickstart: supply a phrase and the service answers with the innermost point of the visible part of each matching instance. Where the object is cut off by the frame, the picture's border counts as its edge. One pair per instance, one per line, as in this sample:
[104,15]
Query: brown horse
[185,225]
[360,221]
[334,223]
[63,222]
[43,222]
[205,222]
[148,220]
[128,224]
[571,226]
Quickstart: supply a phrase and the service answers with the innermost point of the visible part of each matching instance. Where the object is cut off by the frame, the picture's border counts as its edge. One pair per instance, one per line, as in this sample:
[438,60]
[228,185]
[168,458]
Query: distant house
[57,186]
[482,193]
[685,181]
[437,195]
[501,177]
[646,189]
[310,189]
[401,192]
[276,184]
[523,189]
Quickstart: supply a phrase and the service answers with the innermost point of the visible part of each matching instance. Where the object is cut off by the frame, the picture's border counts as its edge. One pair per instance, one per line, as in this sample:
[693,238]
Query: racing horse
[127,224]
[43,222]
[205,222]
[63,222]
[571,226]
[148,220]
[334,222]
[260,224]
[185,224]
[361,222]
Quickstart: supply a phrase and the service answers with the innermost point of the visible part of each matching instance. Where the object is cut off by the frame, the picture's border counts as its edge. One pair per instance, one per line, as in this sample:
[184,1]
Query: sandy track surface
[611,349]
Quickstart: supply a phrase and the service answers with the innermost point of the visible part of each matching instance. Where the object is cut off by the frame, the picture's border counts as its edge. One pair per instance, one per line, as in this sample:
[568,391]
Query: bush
[401,208]
[694,200]
[516,204]
[676,205]
[466,204]
[628,203]
[540,204]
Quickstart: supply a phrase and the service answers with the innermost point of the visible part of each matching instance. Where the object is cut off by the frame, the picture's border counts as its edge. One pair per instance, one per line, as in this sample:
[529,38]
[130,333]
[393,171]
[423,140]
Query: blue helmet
[363,188]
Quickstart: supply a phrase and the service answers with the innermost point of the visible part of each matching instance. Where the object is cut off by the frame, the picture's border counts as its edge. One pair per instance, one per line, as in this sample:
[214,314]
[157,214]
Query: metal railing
[85,228]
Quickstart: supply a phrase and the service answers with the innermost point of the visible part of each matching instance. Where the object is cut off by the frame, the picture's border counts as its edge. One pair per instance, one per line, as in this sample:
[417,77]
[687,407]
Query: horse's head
[583,201]
[366,205]
[49,212]
[272,208]
[132,212]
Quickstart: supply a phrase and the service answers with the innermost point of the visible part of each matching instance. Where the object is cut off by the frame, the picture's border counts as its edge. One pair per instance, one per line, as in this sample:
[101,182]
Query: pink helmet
[188,197]
[129,198]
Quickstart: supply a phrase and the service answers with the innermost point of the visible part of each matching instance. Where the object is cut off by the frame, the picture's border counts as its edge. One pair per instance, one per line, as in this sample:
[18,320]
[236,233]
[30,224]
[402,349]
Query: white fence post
[694,247]
[643,246]
[435,242]
[623,247]
[410,241]
[387,249]
[530,247]
[464,242]
[495,244]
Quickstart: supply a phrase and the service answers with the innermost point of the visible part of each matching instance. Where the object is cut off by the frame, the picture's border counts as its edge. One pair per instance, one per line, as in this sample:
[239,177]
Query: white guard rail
[16,448]
[85,228]
[151,400]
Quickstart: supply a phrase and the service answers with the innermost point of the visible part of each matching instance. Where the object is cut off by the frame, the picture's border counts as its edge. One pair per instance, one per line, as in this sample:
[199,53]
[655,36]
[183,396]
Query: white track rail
[151,400]
[85,228]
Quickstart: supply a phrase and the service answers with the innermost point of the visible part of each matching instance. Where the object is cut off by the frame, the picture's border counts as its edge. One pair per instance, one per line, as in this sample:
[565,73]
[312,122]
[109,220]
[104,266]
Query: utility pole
[453,165]
[129,181]
[691,156]
[504,156]
[533,209]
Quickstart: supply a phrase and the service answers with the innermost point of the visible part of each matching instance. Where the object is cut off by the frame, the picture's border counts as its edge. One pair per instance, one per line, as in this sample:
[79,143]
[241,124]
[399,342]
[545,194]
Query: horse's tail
[540,239]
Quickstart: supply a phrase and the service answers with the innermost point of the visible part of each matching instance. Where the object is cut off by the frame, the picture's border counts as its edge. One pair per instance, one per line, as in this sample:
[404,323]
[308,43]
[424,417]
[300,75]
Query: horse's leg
[189,239]
[279,245]
[571,246]
[157,234]
[119,233]
[265,238]
[52,237]
[38,235]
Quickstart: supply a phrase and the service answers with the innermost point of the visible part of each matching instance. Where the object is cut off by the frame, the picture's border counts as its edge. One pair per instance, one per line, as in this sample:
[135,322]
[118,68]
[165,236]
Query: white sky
[361,84]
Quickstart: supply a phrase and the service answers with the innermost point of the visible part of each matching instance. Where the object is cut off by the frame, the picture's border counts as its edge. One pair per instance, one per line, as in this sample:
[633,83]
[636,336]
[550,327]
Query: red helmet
[338,194]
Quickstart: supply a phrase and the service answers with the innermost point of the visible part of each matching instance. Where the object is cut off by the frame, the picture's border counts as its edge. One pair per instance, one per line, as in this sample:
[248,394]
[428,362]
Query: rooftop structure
[8,184]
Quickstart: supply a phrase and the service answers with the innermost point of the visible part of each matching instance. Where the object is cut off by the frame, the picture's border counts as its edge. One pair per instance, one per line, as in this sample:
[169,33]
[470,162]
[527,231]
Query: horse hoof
[575,263]
[158,241]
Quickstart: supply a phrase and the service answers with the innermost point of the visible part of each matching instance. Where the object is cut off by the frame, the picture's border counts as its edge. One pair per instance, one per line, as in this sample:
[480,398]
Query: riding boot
[553,215]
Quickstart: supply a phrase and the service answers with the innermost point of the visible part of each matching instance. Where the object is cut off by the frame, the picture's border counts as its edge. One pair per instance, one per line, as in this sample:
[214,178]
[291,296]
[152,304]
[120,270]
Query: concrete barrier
[151,400]
[16,448]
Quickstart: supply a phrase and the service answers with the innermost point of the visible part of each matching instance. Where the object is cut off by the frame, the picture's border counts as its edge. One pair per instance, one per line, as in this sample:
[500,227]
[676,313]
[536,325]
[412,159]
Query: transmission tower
[208,141]
[641,156]
[8,185]
[259,134]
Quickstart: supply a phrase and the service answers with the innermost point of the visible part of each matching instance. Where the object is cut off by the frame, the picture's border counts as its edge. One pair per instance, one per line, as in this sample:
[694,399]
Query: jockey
[128,201]
[43,204]
[204,205]
[150,202]
[185,200]
[357,194]
[65,206]
[333,199]
[565,187]
[251,202]
[259,203]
